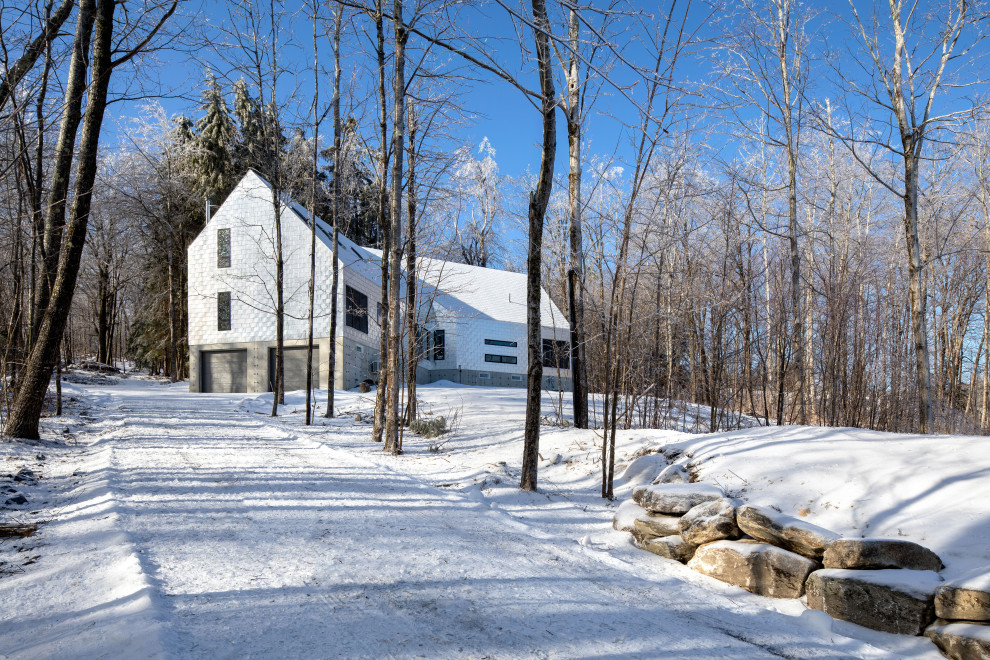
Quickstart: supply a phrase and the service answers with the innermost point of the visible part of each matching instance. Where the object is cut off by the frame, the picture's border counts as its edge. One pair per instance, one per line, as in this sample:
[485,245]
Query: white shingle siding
[471,304]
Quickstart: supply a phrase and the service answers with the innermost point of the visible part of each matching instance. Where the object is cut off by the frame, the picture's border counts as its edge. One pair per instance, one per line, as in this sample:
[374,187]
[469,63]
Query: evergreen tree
[249,143]
[182,130]
[214,141]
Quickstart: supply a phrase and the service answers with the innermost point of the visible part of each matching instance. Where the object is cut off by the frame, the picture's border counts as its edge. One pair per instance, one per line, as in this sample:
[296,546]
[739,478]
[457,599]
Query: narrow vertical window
[223,310]
[223,248]
[356,310]
[439,344]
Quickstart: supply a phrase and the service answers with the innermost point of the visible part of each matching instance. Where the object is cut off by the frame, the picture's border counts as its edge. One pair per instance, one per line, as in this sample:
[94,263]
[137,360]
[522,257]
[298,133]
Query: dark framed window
[223,311]
[356,310]
[556,354]
[439,345]
[501,359]
[223,248]
[500,342]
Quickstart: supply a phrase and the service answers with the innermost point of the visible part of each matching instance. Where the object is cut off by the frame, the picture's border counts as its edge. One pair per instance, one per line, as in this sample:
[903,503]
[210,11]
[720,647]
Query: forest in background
[793,226]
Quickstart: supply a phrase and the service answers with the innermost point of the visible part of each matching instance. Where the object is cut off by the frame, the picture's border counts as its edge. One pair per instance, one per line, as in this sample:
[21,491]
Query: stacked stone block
[891,585]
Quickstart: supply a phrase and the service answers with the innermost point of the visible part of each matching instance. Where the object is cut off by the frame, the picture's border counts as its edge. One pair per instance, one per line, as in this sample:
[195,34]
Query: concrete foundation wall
[491,378]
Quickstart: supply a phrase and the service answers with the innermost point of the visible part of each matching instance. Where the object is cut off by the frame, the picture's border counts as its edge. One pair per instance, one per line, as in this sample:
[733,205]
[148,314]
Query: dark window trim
[223,257]
[501,359]
[439,345]
[556,353]
[355,309]
[501,342]
[223,311]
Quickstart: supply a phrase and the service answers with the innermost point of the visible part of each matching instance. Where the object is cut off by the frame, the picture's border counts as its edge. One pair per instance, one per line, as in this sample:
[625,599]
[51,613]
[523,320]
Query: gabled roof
[465,291]
[487,293]
[350,254]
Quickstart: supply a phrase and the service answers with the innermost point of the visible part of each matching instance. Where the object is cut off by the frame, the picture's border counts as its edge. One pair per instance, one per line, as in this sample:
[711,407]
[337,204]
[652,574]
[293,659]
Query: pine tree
[214,141]
[249,143]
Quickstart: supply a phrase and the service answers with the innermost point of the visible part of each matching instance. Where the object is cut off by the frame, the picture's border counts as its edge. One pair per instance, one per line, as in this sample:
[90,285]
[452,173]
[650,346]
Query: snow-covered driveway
[258,541]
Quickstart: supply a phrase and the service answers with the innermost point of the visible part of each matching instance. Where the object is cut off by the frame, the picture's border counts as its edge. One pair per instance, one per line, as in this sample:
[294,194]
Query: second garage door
[224,371]
[295,368]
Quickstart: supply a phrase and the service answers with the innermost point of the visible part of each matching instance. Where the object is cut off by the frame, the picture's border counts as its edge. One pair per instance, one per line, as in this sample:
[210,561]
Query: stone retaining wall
[890,585]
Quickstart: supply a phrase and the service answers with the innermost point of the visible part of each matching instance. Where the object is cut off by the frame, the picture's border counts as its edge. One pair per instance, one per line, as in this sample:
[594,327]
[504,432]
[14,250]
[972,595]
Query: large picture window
[223,248]
[501,359]
[223,311]
[556,354]
[356,310]
[439,346]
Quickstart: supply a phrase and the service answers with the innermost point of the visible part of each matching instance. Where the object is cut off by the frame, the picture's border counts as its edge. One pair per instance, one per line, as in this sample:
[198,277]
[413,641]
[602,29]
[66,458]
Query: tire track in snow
[265,543]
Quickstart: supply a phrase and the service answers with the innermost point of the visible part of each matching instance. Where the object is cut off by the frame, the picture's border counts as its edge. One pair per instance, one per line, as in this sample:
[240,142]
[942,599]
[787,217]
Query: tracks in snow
[263,543]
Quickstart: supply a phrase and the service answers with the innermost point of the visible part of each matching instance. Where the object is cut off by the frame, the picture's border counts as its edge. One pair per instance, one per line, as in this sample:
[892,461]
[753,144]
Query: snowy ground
[195,526]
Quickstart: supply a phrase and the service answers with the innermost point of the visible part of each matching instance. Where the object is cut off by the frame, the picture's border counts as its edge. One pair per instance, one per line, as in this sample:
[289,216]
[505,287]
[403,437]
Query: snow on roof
[352,255]
[497,295]
[466,291]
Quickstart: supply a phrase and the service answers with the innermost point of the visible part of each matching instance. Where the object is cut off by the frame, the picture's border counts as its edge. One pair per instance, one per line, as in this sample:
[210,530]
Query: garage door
[295,368]
[224,371]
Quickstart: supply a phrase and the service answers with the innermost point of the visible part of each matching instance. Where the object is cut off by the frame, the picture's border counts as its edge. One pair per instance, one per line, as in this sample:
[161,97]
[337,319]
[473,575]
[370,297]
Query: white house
[473,320]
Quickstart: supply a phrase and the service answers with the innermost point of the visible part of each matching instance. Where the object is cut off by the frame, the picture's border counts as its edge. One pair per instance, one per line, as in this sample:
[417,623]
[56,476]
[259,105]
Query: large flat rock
[961,641]
[653,525]
[791,533]
[674,499]
[891,600]
[708,522]
[760,568]
[643,525]
[962,602]
[672,547]
[870,554]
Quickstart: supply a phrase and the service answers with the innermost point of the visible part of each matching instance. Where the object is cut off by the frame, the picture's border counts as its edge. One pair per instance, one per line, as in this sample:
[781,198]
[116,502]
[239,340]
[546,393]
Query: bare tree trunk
[278,395]
[783,20]
[412,353]
[538,201]
[575,271]
[26,410]
[311,292]
[916,289]
[338,165]
[50,239]
[392,441]
[378,428]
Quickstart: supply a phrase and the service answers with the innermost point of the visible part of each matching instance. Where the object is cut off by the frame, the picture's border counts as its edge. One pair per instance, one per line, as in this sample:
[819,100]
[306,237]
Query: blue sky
[493,108]
[490,107]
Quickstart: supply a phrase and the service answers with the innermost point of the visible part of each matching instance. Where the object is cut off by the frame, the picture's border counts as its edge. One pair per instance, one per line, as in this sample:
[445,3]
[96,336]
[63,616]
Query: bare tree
[913,58]
[26,409]
[538,200]
[14,73]
[766,70]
